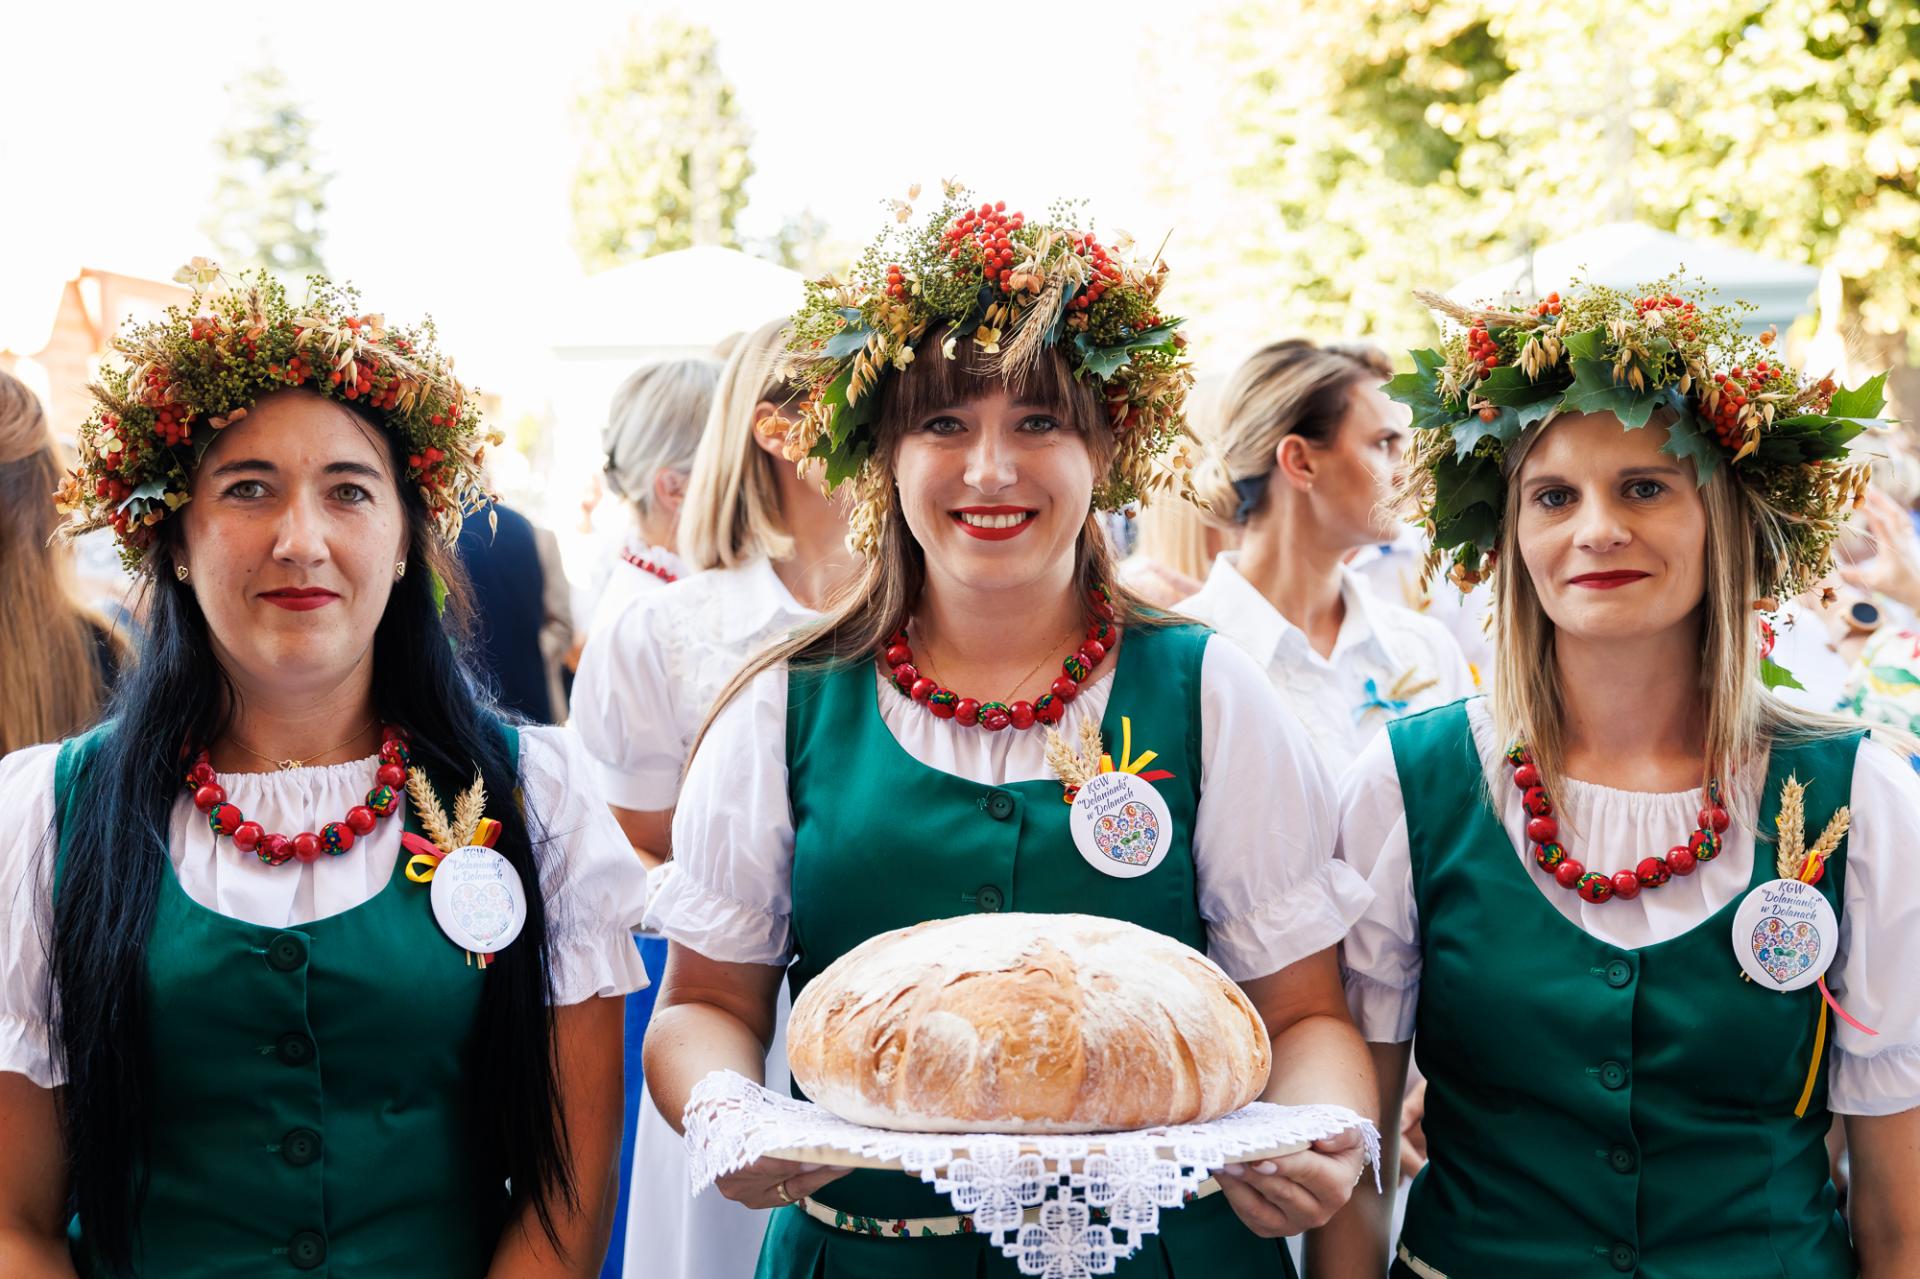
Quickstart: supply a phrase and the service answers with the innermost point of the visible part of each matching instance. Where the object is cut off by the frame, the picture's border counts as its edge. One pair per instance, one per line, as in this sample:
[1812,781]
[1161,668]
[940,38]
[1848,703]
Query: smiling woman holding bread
[907,758]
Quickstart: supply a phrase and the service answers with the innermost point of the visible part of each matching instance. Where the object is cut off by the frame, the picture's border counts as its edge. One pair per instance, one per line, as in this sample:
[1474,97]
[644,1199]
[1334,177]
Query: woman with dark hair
[999,388]
[308,955]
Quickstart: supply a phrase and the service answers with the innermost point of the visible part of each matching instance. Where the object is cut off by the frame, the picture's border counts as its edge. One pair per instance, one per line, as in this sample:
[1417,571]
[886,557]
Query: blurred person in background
[765,551]
[59,659]
[523,620]
[1301,465]
[1173,545]
[653,429]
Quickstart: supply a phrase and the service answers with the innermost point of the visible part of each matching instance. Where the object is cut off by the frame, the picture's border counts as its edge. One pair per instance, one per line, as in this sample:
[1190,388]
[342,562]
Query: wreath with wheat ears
[1732,401]
[182,379]
[1014,288]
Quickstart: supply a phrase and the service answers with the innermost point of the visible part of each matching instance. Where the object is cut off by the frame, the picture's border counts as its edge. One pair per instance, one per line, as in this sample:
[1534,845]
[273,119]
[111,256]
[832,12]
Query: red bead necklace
[334,838]
[1544,832]
[1049,708]
[648,566]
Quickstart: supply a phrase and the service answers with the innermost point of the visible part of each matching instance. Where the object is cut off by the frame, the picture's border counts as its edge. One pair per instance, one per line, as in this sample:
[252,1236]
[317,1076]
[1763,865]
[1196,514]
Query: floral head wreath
[183,378]
[1733,402]
[1015,288]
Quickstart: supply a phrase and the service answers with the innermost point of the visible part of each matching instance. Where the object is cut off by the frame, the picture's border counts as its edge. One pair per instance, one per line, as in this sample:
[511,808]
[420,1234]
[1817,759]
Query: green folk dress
[309,1115]
[882,841]
[1598,1111]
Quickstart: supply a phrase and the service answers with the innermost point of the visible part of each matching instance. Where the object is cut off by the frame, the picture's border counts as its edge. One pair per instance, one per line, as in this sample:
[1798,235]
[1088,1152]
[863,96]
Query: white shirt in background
[626,580]
[1392,571]
[1387,661]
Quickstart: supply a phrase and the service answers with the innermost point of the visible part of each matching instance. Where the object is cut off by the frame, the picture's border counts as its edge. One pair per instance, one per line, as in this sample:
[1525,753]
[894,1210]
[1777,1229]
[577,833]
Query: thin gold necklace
[1019,683]
[288,765]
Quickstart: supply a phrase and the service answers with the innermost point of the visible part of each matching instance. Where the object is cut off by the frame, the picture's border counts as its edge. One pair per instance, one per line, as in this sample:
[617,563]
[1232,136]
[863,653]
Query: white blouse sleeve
[1380,962]
[1269,888]
[27,844]
[726,893]
[1875,969]
[623,708]
[594,885]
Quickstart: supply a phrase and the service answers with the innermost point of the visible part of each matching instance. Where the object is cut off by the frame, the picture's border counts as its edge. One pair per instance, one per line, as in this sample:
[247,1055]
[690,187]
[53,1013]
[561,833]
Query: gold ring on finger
[780,1188]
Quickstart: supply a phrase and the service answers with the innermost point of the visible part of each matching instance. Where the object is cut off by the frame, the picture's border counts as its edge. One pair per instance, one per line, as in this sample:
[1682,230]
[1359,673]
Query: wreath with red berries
[1014,288]
[1728,397]
[182,379]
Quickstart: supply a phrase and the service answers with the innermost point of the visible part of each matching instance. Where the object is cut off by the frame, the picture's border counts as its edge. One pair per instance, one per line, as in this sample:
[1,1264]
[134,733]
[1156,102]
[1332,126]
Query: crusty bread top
[1025,1023]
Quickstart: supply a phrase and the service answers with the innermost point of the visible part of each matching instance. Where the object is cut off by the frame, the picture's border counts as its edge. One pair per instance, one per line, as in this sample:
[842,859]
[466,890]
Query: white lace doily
[995,1179]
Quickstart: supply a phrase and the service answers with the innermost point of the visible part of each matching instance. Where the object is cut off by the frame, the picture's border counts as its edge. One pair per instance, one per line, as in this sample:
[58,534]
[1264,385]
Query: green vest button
[988,898]
[1622,1159]
[307,1250]
[1000,806]
[300,1147]
[1613,1076]
[295,1049]
[1623,1258]
[1619,973]
[287,952]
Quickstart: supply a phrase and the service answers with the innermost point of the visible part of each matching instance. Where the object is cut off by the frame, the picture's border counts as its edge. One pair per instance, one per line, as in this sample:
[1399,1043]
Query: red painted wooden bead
[904,675]
[391,775]
[1681,861]
[306,845]
[898,655]
[1714,818]
[207,796]
[1093,652]
[966,712]
[1022,714]
[393,733]
[1100,606]
[247,836]
[201,774]
[394,751]
[1653,872]
[1526,777]
[1568,873]
[942,709]
[360,819]
[336,837]
[1704,845]
[1066,688]
[1626,884]
[994,717]
[921,689]
[275,850]
[1049,709]
[1536,802]
[1542,830]
[1594,887]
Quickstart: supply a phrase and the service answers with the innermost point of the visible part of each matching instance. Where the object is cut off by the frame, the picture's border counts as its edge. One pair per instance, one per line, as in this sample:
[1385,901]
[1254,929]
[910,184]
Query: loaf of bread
[1026,1024]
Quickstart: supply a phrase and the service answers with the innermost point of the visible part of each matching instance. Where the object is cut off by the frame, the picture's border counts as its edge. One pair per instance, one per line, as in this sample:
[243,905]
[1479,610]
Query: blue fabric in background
[653,953]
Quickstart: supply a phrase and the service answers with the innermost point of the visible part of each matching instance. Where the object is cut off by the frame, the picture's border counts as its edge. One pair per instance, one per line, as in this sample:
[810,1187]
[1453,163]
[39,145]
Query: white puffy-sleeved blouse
[647,680]
[1873,972]
[1269,890]
[595,887]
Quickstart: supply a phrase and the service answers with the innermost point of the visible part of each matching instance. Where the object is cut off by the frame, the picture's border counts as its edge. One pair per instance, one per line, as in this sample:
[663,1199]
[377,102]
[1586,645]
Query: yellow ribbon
[1128,764]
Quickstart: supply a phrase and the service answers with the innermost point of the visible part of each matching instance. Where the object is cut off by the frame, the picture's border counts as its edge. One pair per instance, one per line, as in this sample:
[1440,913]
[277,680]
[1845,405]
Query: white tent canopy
[1622,255]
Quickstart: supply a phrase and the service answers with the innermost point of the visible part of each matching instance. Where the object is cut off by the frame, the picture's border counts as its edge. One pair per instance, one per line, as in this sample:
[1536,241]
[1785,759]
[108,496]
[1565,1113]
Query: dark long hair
[117,849]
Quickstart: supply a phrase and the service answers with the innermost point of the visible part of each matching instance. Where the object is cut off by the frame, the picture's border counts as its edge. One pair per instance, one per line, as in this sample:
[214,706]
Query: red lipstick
[300,599]
[994,523]
[1611,579]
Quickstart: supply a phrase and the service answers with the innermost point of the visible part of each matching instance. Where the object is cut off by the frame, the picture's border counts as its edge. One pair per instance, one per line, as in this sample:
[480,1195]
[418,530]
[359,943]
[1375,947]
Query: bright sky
[447,127]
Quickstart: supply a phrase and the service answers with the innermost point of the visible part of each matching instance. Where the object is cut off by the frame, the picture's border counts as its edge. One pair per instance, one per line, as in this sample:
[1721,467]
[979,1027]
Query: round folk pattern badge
[478,900]
[1784,934]
[1121,825]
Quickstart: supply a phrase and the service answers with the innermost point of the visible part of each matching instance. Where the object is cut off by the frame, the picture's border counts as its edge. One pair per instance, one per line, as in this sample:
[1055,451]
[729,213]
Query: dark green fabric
[308,1111]
[881,841]
[1592,1110]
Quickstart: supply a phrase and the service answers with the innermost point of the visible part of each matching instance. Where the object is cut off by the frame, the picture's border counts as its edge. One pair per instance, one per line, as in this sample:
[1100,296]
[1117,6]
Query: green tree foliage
[664,163]
[270,197]
[1372,146]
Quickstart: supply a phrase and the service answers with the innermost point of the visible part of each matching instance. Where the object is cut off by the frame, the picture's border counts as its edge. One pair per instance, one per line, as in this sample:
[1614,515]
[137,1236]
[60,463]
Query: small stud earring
[180,572]
[399,570]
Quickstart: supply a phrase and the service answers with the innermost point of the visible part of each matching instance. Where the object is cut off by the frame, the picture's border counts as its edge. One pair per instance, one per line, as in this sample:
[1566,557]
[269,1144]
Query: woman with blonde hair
[653,430]
[764,550]
[58,658]
[1649,927]
[1301,462]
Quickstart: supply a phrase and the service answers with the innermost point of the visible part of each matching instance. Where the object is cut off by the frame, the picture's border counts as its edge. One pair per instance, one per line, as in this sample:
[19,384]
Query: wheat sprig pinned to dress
[1075,768]
[1830,837]
[426,806]
[1791,821]
[467,812]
